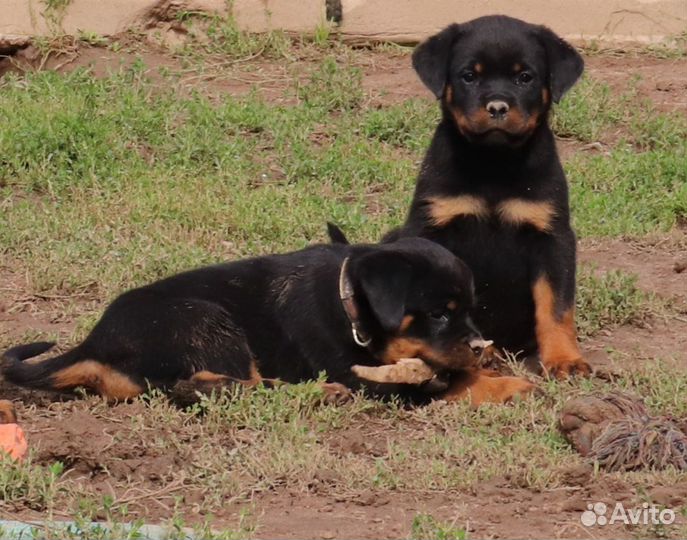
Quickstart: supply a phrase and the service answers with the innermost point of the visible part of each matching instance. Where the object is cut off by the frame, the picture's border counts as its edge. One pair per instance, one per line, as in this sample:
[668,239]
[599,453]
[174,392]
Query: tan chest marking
[538,214]
[517,212]
[442,210]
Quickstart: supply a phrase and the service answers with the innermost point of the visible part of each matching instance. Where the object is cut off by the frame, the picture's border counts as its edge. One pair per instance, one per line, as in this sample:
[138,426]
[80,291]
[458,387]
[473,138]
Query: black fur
[497,159]
[281,313]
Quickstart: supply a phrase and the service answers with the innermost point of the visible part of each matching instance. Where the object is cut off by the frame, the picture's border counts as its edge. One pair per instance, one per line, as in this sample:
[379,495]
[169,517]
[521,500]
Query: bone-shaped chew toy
[405,371]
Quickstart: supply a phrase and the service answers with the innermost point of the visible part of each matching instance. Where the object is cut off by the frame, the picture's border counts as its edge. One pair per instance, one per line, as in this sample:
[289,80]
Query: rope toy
[617,432]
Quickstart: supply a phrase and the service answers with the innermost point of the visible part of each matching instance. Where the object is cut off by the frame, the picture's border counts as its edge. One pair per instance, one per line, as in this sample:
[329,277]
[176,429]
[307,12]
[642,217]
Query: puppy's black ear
[336,235]
[565,63]
[384,278]
[432,57]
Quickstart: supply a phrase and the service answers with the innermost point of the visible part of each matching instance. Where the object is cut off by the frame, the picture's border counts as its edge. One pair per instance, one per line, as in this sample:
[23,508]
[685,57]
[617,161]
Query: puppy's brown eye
[524,78]
[469,76]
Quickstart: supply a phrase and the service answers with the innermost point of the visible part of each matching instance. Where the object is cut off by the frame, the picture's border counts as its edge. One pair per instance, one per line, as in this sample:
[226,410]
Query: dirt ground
[95,451]
[86,442]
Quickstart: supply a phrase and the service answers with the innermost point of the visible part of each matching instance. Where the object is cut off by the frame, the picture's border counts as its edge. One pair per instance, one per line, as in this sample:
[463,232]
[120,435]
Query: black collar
[350,307]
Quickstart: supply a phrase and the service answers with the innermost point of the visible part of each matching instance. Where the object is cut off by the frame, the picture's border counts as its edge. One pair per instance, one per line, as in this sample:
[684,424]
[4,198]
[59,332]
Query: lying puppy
[286,317]
[491,188]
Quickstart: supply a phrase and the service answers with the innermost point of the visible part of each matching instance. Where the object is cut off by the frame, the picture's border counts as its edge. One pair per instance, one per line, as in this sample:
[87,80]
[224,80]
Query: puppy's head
[414,298]
[496,76]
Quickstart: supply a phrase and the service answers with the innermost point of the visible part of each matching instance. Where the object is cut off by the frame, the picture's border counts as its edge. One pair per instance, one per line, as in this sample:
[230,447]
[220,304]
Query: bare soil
[105,456]
[101,451]
[660,269]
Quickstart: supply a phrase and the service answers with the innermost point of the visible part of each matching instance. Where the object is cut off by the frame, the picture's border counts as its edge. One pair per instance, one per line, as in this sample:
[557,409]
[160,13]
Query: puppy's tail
[336,235]
[41,375]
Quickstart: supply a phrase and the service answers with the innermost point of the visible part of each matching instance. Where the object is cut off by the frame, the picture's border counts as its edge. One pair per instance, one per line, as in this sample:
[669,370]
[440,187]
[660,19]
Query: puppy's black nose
[497,109]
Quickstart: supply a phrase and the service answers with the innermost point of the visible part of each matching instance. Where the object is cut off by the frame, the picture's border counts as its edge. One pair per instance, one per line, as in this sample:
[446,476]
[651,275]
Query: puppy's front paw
[335,394]
[562,368]
[486,386]
[504,389]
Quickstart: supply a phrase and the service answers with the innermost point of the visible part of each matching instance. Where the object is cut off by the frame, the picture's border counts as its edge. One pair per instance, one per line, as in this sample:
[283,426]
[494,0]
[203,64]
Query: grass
[426,527]
[116,527]
[332,87]
[587,111]
[640,185]
[212,36]
[672,47]
[25,483]
[629,193]
[110,182]
[613,299]
[234,447]
[155,159]
[118,171]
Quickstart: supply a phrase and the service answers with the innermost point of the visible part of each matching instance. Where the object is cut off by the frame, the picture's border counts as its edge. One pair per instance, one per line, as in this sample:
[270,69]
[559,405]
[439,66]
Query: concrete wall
[397,20]
[613,20]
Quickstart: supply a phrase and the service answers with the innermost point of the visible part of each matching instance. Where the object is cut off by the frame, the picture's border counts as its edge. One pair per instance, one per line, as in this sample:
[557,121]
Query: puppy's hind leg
[204,383]
[67,371]
[189,391]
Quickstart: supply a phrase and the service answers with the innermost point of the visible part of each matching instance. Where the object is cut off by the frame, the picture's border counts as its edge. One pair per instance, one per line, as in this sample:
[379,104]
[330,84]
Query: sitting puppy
[491,188]
[287,317]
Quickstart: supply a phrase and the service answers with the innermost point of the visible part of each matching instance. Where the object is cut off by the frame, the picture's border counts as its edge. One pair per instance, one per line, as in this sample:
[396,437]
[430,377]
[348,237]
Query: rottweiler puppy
[286,317]
[491,188]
